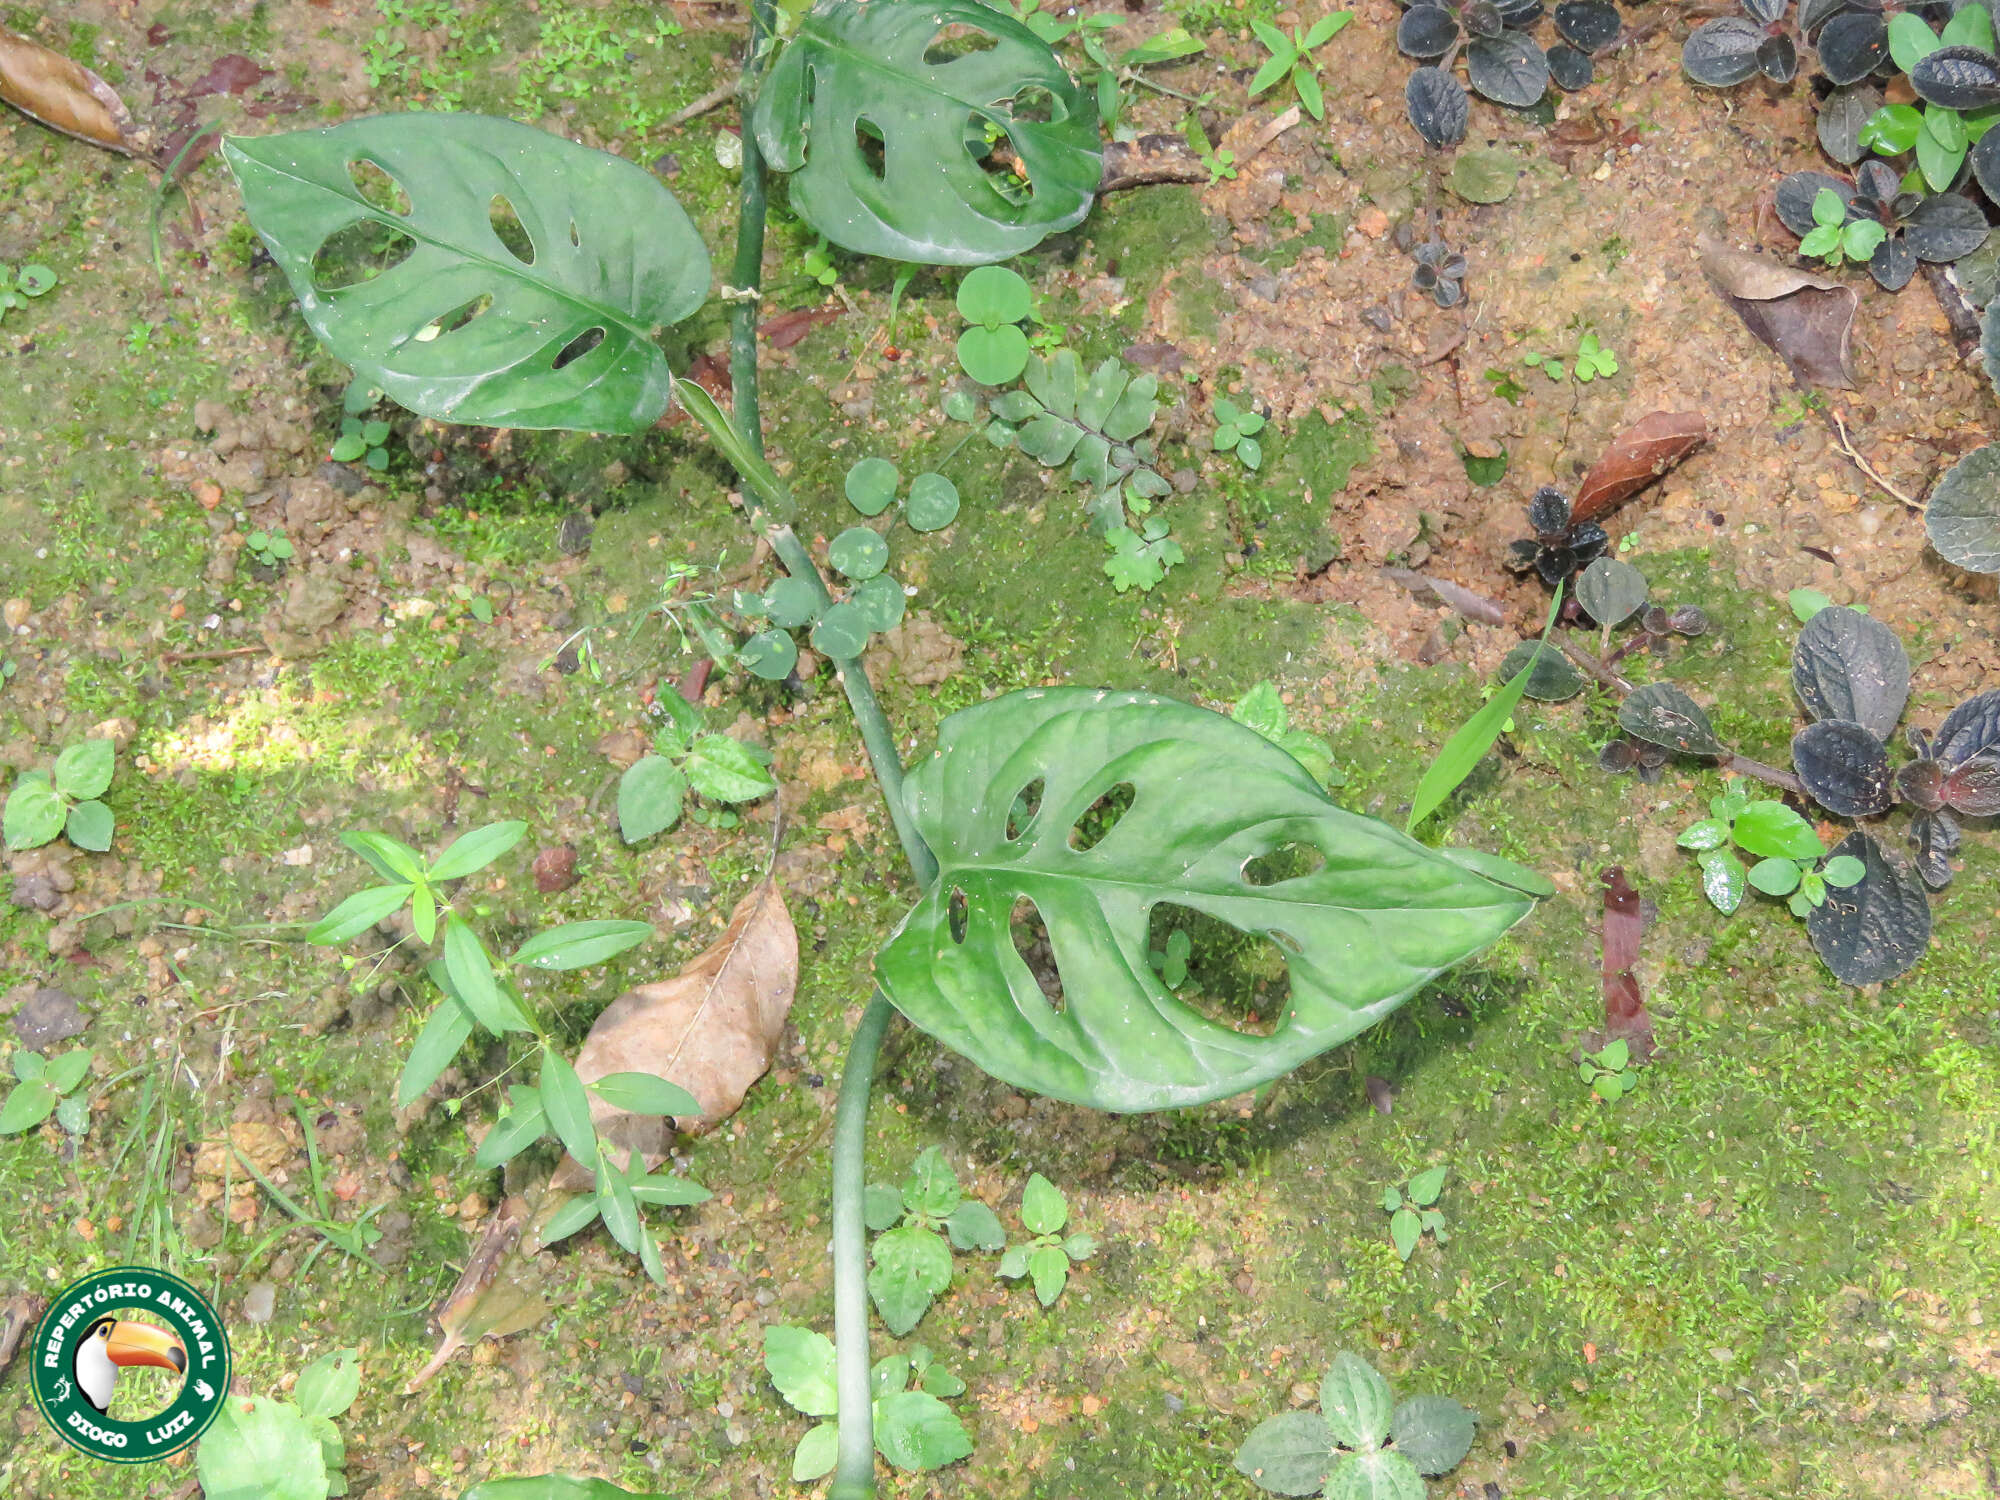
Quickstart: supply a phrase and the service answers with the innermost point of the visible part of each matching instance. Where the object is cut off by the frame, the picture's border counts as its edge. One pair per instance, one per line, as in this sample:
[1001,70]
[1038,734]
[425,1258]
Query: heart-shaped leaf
[860,76]
[1843,114]
[1962,519]
[1611,591]
[1508,69]
[1847,665]
[1852,45]
[564,338]
[1553,679]
[1360,935]
[1878,928]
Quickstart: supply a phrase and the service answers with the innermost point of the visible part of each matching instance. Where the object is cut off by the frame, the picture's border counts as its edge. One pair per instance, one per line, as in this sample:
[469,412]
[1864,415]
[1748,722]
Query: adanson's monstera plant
[887,122]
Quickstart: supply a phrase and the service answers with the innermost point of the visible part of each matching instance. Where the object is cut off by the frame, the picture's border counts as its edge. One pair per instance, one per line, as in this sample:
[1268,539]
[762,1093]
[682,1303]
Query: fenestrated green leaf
[865,67]
[611,252]
[1288,1454]
[1381,918]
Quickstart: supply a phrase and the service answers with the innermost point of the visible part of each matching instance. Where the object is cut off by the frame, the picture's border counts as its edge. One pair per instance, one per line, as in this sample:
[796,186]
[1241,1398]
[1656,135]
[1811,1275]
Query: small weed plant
[45,1086]
[1045,1259]
[260,1447]
[65,802]
[1412,1210]
[1362,1444]
[687,759]
[19,287]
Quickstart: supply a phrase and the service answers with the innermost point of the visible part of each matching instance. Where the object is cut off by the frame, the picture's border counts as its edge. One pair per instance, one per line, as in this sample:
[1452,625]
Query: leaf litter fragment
[1639,455]
[1807,320]
[64,95]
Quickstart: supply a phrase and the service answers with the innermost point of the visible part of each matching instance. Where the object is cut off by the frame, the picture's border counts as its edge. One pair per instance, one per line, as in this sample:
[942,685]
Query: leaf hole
[1027,802]
[1241,980]
[377,188]
[954,914]
[359,252]
[990,146]
[579,346]
[868,142]
[953,42]
[1035,105]
[454,320]
[509,229]
[1031,941]
[1101,817]
[1286,862]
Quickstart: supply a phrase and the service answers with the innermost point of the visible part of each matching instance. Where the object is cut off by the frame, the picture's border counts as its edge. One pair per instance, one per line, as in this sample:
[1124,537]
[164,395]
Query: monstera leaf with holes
[890,73]
[566,339]
[1382,916]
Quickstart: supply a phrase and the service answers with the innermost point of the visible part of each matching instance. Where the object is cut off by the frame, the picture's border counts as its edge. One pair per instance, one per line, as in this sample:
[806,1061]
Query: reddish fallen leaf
[1166,358]
[229,75]
[1808,320]
[1380,1094]
[1624,1009]
[18,1314]
[1637,456]
[1475,607]
[555,869]
[63,95]
[695,682]
[712,375]
[788,328]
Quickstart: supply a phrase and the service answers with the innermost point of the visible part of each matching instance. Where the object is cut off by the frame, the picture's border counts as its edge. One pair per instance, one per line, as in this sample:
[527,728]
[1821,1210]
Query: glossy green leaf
[328,1386]
[1382,918]
[390,858]
[358,913]
[514,1132]
[1771,828]
[64,1073]
[993,356]
[770,654]
[994,295]
[1843,870]
[568,1108]
[1709,833]
[669,1191]
[470,967]
[879,603]
[926,197]
[817,1453]
[612,256]
[476,850]
[1048,1266]
[27,1106]
[84,770]
[1723,880]
[842,632]
[1288,1454]
[1775,877]
[577,1214]
[577,945]
[1470,742]
[34,813]
[870,488]
[858,553]
[933,503]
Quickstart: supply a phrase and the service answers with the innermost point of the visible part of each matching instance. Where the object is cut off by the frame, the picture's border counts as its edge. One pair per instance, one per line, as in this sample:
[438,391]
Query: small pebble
[260,1302]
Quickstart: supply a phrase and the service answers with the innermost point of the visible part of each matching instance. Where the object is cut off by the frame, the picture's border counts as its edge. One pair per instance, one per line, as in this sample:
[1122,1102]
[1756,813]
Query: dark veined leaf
[1723,52]
[1588,25]
[1508,69]
[1553,679]
[1944,227]
[1986,164]
[1974,788]
[1611,591]
[1361,934]
[1814,14]
[1662,714]
[1973,728]
[857,76]
[1571,69]
[1957,78]
[1877,929]
[1844,767]
[1426,31]
[1893,263]
[611,256]
[1778,58]
[1852,45]
[1437,106]
[1962,518]
[1797,193]
[1847,665]
[1766,12]
[1842,114]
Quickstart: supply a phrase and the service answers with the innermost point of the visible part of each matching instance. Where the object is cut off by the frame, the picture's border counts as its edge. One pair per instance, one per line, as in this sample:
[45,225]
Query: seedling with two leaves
[1292,57]
[44,804]
[1412,1213]
[269,549]
[47,1086]
[914,1429]
[1361,1444]
[1592,361]
[1046,1258]
[686,758]
[931,505]
[361,436]
[912,1261]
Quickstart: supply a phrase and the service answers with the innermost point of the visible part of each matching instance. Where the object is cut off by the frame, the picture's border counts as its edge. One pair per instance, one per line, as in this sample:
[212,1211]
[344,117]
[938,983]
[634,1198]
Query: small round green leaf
[859,553]
[993,356]
[791,602]
[84,770]
[933,502]
[881,603]
[1044,1210]
[842,632]
[871,486]
[1771,828]
[993,295]
[1775,877]
[770,654]
[34,813]
[1843,870]
[90,826]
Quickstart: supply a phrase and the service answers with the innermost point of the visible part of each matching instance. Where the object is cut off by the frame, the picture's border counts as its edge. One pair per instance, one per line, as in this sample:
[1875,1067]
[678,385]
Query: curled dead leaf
[712,1028]
[1807,319]
[1637,456]
[491,1300]
[64,95]
[1475,607]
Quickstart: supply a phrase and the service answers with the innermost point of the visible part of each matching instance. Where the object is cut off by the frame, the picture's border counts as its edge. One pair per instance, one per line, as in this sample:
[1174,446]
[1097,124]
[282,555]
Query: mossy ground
[1762,1273]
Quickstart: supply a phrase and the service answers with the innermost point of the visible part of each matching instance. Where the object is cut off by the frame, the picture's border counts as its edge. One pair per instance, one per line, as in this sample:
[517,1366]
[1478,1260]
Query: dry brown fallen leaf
[488,1301]
[17,1315]
[1475,607]
[1807,319]
[63,95]
[712,1029]
[1637,456]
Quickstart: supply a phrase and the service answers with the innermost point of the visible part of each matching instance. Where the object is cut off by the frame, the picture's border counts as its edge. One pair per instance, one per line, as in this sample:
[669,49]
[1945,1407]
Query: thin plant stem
[854,1474]
[747,274]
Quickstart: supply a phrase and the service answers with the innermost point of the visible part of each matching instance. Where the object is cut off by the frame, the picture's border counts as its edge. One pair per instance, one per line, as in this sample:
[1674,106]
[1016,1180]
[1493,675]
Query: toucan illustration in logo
[111,1344]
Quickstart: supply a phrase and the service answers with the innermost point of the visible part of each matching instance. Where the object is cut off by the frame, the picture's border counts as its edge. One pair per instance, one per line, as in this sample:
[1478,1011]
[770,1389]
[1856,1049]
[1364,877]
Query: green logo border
[213,1368]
